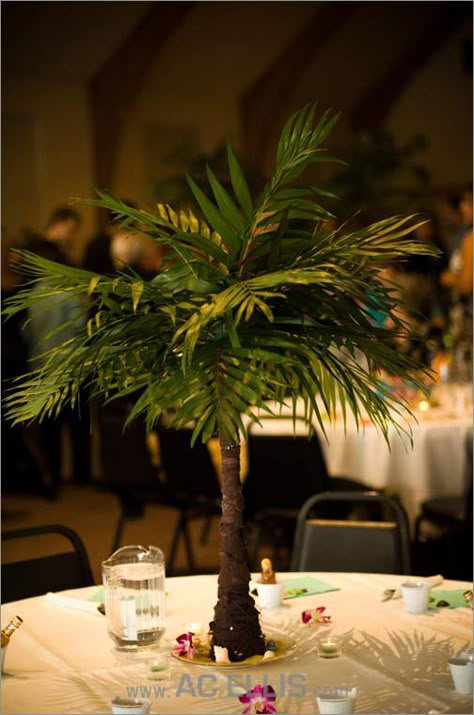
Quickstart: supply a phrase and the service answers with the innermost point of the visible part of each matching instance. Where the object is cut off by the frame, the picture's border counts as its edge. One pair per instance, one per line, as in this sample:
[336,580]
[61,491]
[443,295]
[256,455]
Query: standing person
[418,275]
[150,259]
[20,470]
[58,238]
[41,333]
[458,276]
[97,256]
[98,253]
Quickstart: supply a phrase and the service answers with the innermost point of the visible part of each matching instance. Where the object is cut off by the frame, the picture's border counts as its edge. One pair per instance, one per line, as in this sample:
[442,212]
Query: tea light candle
[158,667]
[195,628]
[329,647]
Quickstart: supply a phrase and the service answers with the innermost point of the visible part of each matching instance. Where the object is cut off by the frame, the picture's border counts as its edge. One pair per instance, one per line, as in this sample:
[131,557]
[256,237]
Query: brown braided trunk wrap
[236,624]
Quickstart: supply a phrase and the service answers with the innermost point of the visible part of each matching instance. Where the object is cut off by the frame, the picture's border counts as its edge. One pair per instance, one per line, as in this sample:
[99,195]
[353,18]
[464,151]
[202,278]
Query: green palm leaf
[249,309]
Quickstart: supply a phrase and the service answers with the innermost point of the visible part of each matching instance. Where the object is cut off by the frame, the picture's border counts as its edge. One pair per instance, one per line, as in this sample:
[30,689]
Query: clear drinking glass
[134,595]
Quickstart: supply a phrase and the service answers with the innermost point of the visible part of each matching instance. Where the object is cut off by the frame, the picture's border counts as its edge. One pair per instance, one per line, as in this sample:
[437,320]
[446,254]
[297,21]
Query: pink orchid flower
[185,645]
[259,700]
[315,616]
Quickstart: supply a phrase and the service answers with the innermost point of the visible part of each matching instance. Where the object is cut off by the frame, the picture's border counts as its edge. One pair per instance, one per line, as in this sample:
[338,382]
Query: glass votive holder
[158,667]
[330,647]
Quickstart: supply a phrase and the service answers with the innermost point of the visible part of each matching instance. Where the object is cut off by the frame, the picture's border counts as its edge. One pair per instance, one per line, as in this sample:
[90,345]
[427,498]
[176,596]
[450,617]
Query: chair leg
[418,522]
[206,527]
[174,544]
[188,546]
[119,531]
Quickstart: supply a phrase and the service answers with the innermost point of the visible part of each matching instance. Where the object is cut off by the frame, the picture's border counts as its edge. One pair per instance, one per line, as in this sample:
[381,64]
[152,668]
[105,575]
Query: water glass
[134,594]
[270,595]
[335,701]
[462,674]
[416,595]
[130,706]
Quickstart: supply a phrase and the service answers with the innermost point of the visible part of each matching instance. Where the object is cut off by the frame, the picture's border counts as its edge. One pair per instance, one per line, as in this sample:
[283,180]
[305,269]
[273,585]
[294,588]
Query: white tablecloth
[434,467]
[62,661]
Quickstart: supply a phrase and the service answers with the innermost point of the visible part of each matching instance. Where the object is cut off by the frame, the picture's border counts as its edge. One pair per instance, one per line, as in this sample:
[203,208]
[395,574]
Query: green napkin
[97,596]
[311,586]
[455,599]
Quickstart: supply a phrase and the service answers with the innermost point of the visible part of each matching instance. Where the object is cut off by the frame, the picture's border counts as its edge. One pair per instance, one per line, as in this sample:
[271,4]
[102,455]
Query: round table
[62,660]
[435,466]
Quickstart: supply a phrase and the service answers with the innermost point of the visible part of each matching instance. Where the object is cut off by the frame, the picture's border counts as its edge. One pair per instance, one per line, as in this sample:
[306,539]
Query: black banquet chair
[352,546]
[58,572]
[454,511]
[284,471]
[185,480]
[452,515]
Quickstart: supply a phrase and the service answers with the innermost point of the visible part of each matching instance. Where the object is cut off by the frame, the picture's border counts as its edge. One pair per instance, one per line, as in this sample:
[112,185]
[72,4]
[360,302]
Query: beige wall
[439,104]
[45,137]
[199,91]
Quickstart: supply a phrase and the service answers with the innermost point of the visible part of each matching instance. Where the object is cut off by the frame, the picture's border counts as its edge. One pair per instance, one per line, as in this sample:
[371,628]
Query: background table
[434,467]
[62,661]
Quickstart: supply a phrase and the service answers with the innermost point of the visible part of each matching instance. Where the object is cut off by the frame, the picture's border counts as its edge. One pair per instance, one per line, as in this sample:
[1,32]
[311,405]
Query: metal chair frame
[351,497]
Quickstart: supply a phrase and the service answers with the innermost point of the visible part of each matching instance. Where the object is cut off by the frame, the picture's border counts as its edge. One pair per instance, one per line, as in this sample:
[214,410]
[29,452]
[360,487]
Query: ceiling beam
[265,104]
[115,86]
[372,109]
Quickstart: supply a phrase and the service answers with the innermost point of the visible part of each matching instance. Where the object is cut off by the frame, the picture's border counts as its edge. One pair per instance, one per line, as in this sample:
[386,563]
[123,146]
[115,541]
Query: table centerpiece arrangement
[257,300]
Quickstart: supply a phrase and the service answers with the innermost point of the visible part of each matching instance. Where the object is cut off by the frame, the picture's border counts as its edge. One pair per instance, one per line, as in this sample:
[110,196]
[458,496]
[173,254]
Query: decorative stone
[221,654]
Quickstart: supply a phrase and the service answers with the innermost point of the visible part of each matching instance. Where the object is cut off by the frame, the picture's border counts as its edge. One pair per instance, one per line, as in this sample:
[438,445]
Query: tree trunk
[236,624]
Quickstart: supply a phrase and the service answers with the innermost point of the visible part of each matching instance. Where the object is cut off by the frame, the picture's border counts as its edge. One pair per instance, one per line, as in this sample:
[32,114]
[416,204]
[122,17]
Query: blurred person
[126,249]
[20,471]
[418,275]
[97,256]
[450,221]
[150,259]
[458,279]
[458,276]
[42,333]
[61,232]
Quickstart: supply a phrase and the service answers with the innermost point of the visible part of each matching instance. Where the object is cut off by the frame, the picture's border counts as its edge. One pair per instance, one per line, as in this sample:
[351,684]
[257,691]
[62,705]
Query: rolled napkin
[74,604]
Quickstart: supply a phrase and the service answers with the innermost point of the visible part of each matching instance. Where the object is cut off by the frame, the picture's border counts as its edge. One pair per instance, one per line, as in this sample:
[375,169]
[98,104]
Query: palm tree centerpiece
[256,305]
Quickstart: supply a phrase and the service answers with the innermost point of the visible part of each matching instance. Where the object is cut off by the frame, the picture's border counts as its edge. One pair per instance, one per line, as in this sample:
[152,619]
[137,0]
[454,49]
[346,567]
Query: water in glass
[134,594]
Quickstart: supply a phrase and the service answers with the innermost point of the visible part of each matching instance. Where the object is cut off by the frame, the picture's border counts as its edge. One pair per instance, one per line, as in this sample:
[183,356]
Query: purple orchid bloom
[315,615]
[185,645]
[259,700]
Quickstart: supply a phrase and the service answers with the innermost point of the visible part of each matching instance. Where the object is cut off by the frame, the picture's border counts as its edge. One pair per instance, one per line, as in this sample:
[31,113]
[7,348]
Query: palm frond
[252,309]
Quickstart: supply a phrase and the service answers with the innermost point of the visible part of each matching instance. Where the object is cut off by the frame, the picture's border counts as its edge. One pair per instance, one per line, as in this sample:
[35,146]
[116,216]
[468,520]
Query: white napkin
[74,604]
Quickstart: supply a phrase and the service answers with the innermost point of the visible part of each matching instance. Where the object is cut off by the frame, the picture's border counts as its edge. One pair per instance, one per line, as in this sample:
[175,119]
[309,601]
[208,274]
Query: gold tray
[285,647]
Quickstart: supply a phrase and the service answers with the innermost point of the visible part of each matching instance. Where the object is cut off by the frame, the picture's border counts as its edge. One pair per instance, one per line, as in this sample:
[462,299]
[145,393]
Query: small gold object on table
[268,574]
[7,633]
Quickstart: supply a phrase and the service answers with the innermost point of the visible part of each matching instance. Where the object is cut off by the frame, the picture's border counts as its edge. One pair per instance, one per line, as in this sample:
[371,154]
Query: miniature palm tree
[255,305]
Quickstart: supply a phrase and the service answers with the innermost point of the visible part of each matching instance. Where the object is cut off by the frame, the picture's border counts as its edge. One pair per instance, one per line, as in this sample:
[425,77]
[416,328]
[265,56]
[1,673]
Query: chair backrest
[284,470]
[352,546]
[188,471]
[126,460]
[34,577]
